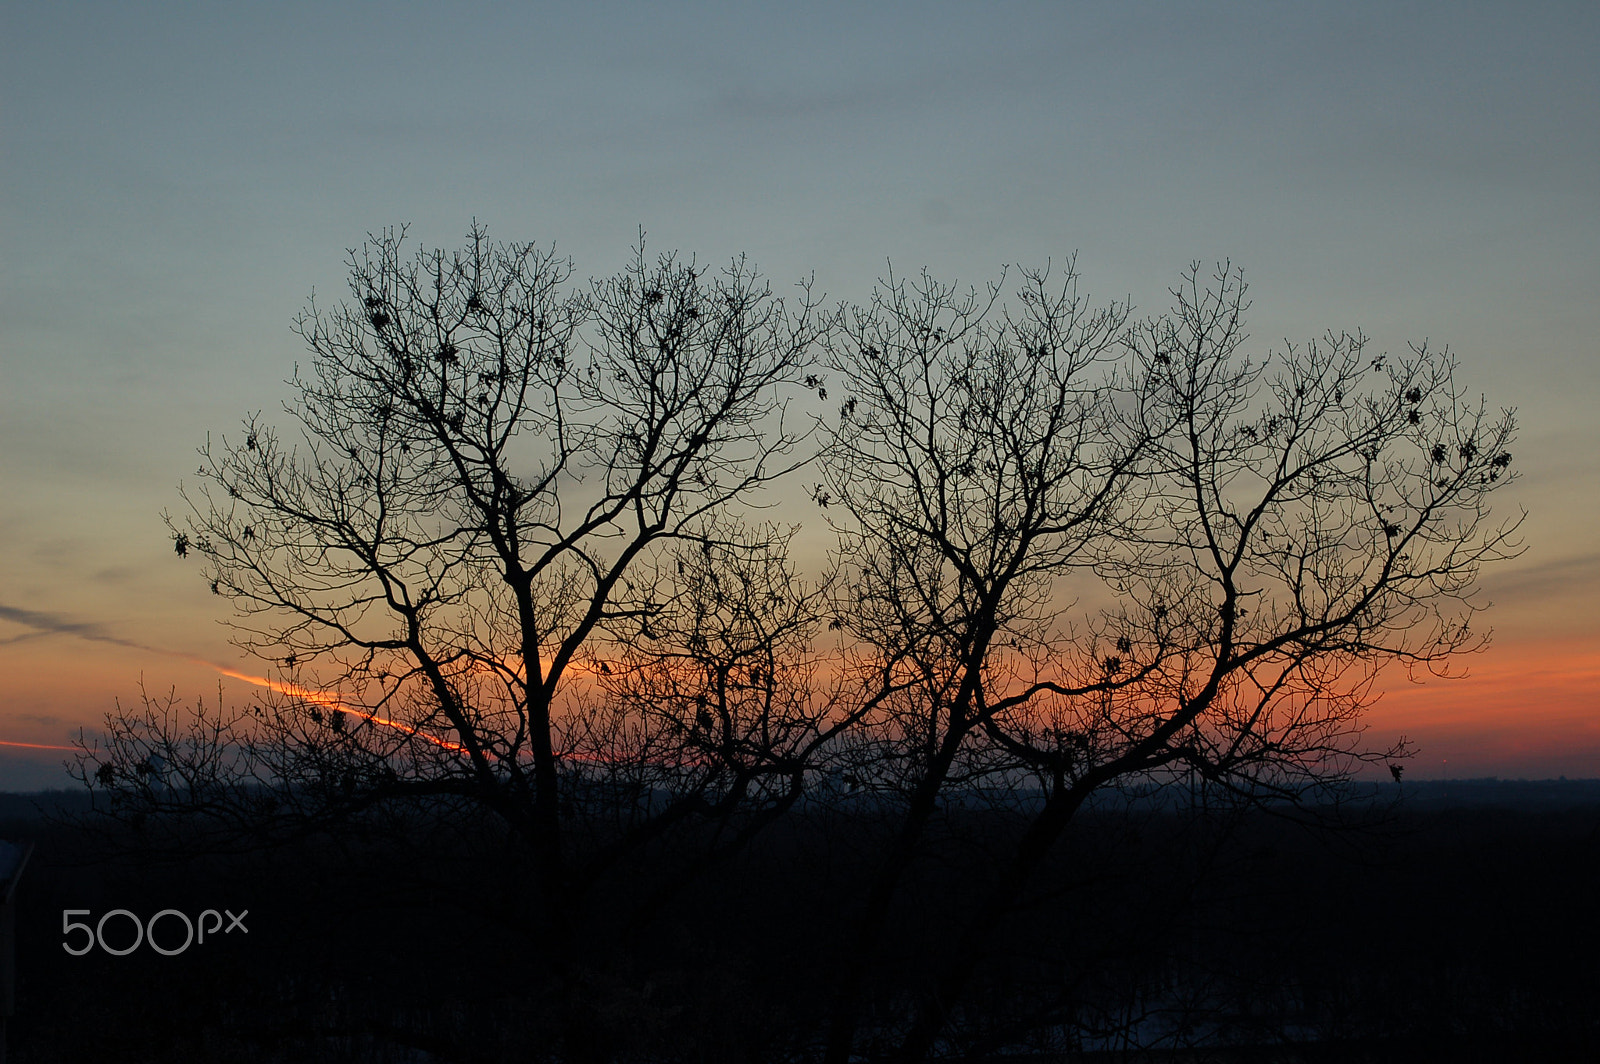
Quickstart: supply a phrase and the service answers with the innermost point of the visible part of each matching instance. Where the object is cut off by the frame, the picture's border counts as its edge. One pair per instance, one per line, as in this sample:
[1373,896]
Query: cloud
[1554,579]
[32,772]
[117,574]
[53,624]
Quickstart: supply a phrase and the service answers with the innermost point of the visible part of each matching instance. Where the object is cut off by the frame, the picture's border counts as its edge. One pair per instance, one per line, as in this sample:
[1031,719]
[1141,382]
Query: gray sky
[178,178]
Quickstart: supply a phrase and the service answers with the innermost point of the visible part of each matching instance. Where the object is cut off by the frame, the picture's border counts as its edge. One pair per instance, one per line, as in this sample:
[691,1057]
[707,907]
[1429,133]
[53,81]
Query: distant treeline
[20,809]
[1460,925]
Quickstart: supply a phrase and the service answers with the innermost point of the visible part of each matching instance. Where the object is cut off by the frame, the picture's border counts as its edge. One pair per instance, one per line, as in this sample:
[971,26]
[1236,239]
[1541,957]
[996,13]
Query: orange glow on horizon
[1529,708]
[1528,701]
[1510,684]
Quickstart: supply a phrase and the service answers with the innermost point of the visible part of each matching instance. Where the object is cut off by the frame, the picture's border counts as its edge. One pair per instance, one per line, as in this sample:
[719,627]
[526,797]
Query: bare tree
[487,559]
[710,705]
[1096,554]
[503,567]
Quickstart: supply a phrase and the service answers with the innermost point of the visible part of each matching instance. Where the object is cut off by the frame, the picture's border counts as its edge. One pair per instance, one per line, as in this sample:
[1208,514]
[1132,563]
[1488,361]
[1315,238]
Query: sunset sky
[176,179]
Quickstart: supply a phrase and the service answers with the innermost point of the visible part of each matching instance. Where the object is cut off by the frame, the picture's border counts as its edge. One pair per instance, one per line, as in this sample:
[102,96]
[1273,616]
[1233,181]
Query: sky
[176,180]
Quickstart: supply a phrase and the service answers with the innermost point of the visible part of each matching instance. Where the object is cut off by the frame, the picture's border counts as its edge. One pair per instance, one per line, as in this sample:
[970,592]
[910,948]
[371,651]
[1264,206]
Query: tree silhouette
[504,568]
[1096,554]
[495,559]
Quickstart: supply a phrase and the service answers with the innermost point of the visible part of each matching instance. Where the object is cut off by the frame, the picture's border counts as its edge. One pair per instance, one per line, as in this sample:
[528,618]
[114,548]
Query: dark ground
[1462,926]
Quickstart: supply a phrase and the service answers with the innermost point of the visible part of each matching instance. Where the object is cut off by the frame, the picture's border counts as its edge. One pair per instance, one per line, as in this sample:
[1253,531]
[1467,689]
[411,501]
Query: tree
[1100,555]
[500,562]
[507,571]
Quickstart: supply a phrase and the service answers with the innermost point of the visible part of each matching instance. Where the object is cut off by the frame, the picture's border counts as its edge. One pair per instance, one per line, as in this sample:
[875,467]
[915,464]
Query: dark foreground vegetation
[566,752]
[1460,925]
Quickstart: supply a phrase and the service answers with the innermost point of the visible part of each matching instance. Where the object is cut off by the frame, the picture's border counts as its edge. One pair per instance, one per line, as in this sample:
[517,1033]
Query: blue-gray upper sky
[177,179]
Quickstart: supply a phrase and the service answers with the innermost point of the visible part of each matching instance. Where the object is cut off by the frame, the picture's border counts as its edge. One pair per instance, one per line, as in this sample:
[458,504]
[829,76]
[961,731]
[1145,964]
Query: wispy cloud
[1557,578]
[44,624]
